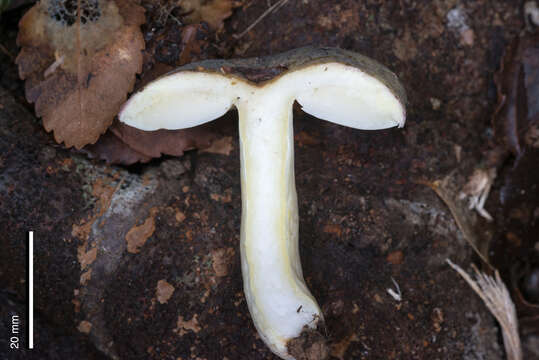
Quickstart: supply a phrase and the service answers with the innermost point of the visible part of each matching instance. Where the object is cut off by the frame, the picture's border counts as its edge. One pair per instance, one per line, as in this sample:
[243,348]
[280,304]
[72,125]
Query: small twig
[52,68]
[165,12]
[271,9]
[5,51]
[176,20]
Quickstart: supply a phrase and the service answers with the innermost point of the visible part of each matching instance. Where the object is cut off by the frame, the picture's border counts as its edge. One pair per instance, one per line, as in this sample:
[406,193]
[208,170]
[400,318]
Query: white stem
[278,299]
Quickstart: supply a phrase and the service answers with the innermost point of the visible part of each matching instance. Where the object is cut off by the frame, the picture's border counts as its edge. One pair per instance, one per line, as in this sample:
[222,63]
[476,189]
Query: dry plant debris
[114,151]
[184,326]
[137,236]
[270,9]
[516,119]
[446,189]
[214,12]
[496,297]
[477,189]
[170,142]
[80,65]
[221,146]
[85,327]
[167,48]
[163,291]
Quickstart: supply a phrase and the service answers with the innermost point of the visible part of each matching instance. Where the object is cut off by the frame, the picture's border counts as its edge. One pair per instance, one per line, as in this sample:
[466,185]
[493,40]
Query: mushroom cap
[330,83]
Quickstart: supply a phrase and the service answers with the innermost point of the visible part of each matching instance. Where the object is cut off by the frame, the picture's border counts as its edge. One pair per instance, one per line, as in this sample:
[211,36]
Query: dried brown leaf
[222,146]
[447,190]
[170,142]
[79,69]
[114,151]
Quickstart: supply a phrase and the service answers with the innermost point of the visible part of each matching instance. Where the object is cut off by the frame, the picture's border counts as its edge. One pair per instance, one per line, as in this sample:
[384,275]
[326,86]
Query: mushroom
[332,84]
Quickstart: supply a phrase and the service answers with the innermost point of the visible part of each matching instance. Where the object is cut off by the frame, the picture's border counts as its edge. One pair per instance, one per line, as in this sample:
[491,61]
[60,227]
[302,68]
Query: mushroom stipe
[332,84]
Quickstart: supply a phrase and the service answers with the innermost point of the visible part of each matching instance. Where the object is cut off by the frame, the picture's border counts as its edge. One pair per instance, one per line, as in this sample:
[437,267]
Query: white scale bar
[31,290]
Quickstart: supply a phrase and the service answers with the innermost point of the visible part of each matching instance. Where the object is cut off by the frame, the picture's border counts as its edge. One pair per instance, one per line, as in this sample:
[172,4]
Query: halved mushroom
[331,84]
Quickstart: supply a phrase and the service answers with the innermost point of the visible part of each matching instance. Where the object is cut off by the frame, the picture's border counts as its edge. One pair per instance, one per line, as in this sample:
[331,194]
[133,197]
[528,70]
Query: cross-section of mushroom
[331,84]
